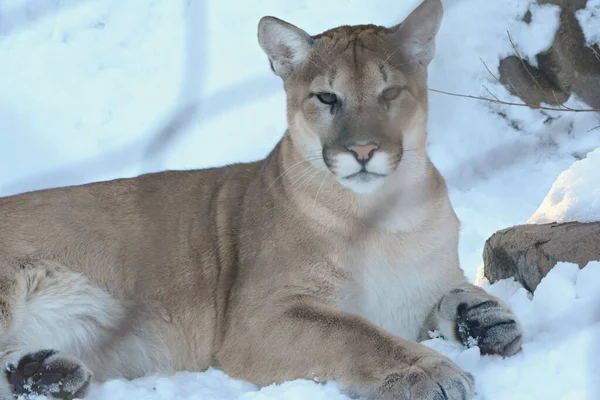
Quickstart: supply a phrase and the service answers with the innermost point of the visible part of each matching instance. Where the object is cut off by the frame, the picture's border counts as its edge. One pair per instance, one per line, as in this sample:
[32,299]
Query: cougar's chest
[396,280]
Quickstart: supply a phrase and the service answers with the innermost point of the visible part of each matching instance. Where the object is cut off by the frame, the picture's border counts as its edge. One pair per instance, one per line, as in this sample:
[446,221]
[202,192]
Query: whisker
[404,63]
[315,64]
[322,59]
[289,169]
[306,172]
[308,178]
[316,151]
[320,186]
[431,44]
[391,54]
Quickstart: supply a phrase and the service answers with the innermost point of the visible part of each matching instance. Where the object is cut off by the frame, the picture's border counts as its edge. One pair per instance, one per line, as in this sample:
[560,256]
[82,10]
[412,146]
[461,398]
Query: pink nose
[363,152]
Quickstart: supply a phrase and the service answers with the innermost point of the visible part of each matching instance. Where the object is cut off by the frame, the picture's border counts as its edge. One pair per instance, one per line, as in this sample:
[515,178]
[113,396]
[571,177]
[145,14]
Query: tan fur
[271,270]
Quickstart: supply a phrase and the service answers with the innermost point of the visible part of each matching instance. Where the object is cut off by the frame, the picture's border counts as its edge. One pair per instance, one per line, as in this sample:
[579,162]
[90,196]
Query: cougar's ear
[286,45]
[416,34]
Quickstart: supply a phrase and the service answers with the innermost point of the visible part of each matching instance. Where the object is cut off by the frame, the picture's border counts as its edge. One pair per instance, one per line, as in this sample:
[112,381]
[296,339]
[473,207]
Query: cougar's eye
[391,93]
[327,98]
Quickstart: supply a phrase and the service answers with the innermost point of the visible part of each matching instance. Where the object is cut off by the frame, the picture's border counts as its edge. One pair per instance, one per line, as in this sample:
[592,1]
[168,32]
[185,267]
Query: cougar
[328,260]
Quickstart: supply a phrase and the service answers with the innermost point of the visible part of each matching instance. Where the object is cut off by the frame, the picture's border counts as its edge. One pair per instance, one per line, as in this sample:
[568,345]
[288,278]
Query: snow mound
[562,323]
[575,196]
[589,19]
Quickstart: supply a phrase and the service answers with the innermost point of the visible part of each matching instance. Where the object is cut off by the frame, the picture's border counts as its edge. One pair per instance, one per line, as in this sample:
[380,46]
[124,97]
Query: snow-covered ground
[88,86]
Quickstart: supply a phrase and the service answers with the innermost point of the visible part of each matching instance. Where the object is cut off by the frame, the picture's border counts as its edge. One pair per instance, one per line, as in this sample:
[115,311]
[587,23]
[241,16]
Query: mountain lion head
[356,95]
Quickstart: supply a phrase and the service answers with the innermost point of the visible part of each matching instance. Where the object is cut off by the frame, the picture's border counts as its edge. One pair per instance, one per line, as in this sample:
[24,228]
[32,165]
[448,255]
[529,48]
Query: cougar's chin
[363,182]
[363,177]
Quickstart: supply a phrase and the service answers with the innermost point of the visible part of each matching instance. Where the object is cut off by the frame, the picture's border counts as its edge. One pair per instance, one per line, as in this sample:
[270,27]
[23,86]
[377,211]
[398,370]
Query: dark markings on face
[332,77]
[383,71]
[355,54]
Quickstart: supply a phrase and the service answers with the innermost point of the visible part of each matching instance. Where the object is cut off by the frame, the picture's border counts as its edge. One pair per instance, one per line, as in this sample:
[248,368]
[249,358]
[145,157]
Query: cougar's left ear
[416,34]
[286,45]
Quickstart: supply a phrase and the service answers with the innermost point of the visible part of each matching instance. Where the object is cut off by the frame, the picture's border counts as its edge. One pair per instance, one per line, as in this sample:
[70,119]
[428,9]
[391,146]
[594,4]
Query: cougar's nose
[363,153]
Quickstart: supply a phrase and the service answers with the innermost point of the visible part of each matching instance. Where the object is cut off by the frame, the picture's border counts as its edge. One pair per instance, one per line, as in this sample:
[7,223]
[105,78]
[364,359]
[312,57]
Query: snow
[211,385]
[589,19]
[587,280]
[575,196]
[88,87]
[562,324]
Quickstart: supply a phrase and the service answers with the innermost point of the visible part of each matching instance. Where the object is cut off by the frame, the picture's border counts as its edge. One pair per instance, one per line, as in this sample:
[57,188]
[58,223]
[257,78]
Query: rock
[532,85]
[528,252]
[570,66]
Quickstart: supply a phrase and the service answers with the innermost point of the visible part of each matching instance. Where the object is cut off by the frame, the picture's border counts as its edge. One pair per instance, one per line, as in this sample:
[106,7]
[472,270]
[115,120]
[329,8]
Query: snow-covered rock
[528,252]
[575,196]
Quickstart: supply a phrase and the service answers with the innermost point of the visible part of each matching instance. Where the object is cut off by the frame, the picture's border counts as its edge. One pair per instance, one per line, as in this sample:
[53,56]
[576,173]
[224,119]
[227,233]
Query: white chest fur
[398,278]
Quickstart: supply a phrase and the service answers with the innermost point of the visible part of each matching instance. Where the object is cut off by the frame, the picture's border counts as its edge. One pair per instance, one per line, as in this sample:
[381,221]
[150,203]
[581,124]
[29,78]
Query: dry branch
[508,103]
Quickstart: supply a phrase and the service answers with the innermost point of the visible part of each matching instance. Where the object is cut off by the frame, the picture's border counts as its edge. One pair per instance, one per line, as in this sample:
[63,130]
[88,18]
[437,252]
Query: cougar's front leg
[470,315]
[311,340]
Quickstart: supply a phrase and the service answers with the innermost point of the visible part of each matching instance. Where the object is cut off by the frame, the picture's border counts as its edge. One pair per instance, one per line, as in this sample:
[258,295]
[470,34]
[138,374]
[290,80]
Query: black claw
[497,324]
[31,368]
[38,356]
[444,394]
[461,309]
[515,340]
[440,396]
[508,349]
[483,306]
[458,386]
[48,378]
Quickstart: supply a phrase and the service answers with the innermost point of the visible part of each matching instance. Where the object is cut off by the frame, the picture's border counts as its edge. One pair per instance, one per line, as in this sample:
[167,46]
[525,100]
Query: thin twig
[560,104]
[490,72]
[491,94]
[508,103]
[523,63]
[514,88]
[595,53]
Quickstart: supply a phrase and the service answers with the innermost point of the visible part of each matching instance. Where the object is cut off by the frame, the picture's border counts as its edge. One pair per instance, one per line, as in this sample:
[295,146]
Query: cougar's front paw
[49,373]
[432,377]
[489,325]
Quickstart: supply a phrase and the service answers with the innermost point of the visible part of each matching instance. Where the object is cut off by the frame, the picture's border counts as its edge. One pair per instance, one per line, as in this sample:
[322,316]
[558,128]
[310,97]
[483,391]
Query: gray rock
[570,66]
[532,85]
[528,252]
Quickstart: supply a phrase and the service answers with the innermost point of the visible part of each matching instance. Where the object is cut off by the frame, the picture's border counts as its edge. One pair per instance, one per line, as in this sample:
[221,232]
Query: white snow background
[86,86]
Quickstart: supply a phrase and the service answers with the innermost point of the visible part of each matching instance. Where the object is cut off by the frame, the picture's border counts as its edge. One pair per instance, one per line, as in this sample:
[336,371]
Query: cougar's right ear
[286,45]
[416,34]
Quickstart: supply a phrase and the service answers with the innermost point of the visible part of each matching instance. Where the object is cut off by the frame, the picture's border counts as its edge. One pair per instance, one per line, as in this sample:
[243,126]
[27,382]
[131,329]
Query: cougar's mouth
[364,176]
